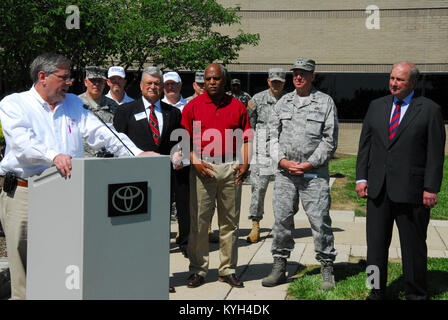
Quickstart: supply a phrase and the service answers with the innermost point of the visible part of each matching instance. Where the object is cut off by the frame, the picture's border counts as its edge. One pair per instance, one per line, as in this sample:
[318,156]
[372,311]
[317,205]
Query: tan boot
[254,235]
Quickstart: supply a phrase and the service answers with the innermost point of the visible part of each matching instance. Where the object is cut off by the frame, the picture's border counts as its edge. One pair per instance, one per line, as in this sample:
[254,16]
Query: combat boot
[326,270]
[254,235]
[278,273]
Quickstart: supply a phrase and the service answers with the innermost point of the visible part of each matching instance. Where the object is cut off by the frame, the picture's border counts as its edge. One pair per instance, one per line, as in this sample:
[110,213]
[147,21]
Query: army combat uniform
[303,129]
[259,107]
[244,97]
[104,108]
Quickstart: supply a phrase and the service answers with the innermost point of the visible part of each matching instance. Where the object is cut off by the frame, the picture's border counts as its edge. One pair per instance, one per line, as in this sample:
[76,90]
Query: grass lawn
[344,196]
[351,278]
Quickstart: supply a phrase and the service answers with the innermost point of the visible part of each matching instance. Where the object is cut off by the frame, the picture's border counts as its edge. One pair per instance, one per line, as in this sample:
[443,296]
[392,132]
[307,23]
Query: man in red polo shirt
[221,138]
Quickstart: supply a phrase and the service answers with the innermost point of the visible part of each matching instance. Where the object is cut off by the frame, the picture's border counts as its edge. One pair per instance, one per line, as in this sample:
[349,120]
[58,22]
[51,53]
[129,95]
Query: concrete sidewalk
[255,260]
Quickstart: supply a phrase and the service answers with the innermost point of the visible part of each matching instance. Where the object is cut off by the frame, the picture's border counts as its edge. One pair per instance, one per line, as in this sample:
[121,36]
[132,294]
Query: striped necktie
[154,125]
[395,121]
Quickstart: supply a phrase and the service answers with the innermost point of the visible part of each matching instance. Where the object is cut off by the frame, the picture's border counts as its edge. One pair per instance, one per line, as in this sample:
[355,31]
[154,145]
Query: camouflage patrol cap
[94,72]
[304,64]
[236,81]
[199,77]
[277,74]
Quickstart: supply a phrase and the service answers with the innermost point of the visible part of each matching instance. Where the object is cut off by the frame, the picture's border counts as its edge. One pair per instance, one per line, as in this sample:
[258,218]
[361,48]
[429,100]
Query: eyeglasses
[65,79]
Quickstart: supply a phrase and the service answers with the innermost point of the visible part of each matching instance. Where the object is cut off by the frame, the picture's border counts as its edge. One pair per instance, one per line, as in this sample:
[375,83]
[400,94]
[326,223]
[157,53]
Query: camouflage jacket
[260,108]
[244,97]
[304,129]
[104,108]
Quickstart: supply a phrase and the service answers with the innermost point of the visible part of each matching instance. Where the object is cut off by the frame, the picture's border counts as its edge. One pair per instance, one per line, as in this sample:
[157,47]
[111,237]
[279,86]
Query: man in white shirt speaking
[43,126]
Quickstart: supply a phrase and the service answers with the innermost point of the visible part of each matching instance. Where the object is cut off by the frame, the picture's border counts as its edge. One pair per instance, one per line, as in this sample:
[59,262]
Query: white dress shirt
[179,104]
[126,98]
[35,134]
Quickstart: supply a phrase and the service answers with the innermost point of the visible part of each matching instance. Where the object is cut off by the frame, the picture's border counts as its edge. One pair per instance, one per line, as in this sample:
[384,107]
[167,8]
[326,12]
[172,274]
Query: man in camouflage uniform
[237,93]
[198,85]
[260,107]
[94,100]
[304,131]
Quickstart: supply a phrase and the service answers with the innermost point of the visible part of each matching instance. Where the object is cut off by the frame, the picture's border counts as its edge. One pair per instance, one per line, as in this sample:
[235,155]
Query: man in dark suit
[399,169]
[149,122]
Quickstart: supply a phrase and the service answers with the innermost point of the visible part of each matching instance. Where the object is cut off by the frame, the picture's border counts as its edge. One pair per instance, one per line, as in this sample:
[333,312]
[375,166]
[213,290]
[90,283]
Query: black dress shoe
[184,251]
[232,280]
[195,280]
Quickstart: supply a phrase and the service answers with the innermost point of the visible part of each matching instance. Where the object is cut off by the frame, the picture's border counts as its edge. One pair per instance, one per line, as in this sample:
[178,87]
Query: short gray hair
[48,63]
[223,71]
[152,71]
[413,71]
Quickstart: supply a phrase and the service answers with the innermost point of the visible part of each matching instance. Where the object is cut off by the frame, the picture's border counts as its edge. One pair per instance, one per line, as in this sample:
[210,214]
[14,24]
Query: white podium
[103,233]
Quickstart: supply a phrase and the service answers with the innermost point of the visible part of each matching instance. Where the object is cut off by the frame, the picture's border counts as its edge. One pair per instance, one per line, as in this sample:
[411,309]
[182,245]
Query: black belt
[20,182]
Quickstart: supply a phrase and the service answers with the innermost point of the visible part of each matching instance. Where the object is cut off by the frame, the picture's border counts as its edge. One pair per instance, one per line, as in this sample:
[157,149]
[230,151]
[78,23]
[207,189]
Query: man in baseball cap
[259,108]
[304,64]
[95,81]
[116,80]
[198,85]
[305,139]
[94,100]
[172,85]
[237,93]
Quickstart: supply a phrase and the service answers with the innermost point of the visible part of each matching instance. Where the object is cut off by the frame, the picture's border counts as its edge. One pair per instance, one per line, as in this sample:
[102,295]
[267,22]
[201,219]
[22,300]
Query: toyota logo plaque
[126,199]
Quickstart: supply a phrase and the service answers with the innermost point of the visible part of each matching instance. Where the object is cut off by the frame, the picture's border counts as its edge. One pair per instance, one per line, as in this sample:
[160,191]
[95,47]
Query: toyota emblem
[125,199]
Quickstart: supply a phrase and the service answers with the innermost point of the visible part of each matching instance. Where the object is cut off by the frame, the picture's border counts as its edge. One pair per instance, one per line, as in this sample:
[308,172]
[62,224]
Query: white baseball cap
[172,75]
[116,71]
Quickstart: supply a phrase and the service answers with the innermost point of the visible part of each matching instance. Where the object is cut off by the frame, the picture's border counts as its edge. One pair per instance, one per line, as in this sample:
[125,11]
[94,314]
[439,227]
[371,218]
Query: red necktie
[154,125]
[395,121]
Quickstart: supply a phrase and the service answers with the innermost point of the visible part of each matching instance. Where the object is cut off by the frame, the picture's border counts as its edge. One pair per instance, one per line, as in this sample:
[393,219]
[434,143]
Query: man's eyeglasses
[63,78]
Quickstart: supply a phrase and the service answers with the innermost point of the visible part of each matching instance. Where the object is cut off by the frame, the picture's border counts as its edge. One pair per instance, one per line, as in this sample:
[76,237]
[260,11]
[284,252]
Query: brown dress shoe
[232,280]
[195,280]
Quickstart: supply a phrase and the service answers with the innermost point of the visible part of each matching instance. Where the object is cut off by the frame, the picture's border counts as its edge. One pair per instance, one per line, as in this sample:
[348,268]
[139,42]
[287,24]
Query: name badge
[140,116]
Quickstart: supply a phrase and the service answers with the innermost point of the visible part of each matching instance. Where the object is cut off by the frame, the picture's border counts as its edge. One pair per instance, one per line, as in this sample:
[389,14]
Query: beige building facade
[343,35]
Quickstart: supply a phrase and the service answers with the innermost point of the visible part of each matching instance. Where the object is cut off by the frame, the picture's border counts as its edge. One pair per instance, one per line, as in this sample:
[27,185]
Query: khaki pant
[204,192]
[14,217]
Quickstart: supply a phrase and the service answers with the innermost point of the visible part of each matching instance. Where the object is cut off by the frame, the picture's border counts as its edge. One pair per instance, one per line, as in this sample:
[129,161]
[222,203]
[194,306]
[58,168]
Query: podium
[103,233]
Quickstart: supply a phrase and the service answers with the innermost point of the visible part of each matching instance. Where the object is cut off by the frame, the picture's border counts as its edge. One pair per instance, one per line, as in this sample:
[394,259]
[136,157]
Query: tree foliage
[175,34]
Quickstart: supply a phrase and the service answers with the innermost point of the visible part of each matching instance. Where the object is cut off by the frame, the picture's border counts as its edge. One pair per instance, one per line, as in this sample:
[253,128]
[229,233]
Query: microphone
[103,122]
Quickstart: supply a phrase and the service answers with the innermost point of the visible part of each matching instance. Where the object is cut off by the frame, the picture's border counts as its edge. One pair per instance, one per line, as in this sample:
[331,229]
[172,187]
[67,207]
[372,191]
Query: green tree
[175,34]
